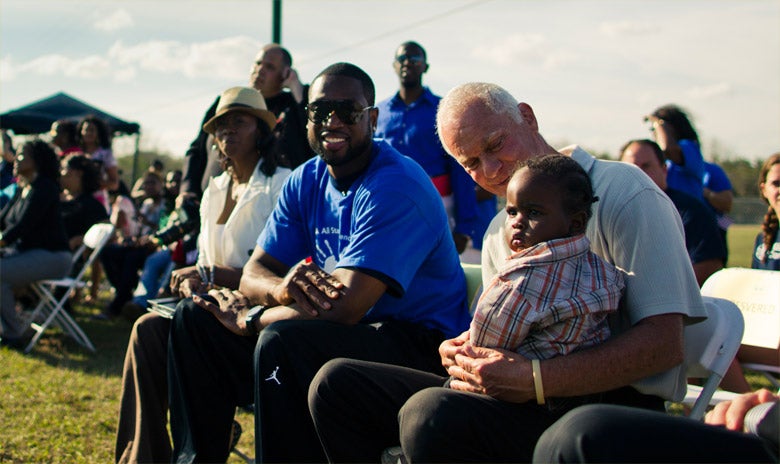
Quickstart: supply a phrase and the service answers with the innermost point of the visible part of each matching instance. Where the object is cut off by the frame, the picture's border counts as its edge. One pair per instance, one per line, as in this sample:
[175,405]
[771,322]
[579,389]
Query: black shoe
[13,343]
[132,311]
[18,343]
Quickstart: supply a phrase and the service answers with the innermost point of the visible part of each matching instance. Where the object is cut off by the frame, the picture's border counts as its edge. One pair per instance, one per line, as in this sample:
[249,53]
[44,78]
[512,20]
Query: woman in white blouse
[234,209]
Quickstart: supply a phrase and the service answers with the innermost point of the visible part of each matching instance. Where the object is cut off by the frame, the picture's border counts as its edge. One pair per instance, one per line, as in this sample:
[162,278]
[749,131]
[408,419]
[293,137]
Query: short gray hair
[492,96]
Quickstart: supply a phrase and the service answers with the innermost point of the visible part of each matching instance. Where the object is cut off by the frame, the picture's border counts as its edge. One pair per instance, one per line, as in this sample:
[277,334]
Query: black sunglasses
[414,59]
[318,112]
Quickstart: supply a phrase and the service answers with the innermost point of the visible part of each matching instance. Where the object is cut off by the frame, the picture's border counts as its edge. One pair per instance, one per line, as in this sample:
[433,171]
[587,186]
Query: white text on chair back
[757,294]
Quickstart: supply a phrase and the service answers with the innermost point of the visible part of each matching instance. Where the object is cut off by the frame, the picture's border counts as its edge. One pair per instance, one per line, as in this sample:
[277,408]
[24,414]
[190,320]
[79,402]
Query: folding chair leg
[700,406]
[55,314]
[41,307]
[38,332]
[75,331]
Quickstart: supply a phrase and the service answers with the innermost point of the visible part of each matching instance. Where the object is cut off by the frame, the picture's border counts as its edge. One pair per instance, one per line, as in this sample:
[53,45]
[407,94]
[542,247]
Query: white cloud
[89,67]
[522,48]
[125,74]
[227,59]
[628,28]
[7,69]
[159,56]
[708,91]
[119,19]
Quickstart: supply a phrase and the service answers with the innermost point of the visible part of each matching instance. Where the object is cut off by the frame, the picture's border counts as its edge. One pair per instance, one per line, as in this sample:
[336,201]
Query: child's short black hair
[569,176]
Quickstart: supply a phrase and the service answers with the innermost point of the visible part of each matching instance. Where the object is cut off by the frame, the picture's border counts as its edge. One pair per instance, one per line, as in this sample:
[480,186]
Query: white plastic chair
[51,308]
[710,346]
[757,294]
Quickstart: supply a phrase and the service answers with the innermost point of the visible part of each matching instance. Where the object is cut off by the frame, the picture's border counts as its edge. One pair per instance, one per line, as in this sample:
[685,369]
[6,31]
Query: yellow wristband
[537,373]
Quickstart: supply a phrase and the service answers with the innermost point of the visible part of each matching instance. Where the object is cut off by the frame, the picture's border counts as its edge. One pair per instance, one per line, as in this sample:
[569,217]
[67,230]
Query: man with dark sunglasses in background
[356,260]
[407,121]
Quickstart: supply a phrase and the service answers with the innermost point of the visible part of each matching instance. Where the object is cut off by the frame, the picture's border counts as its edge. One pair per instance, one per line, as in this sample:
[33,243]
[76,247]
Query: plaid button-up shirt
[548,300]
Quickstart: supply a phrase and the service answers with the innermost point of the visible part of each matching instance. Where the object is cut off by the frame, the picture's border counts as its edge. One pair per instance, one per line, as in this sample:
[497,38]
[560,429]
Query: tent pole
[135,156]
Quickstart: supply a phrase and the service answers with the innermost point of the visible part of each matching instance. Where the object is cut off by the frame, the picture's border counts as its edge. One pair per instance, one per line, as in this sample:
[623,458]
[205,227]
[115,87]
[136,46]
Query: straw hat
[243,99]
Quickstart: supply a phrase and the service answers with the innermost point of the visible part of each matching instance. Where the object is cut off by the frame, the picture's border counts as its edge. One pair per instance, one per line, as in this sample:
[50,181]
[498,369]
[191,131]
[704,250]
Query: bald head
[270,69]
[488,132]
[475,97]
[276,48]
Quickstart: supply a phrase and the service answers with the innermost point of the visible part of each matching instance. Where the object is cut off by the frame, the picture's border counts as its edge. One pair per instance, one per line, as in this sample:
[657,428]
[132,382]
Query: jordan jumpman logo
[273,376]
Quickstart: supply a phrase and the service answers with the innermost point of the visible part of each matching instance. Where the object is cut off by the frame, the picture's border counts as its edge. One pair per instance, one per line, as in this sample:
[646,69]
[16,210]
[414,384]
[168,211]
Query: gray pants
[21,269]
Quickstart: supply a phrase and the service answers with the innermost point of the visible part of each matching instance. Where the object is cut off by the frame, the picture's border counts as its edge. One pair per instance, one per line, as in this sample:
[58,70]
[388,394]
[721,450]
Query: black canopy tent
[37,118]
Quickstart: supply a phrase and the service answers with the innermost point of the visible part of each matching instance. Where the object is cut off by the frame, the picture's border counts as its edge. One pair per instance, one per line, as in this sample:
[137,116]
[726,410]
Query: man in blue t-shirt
[356,261]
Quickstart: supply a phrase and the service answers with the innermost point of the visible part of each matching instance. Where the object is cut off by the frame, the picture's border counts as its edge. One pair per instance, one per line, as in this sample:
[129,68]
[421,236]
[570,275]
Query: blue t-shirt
[773,258]
[411,129]
[389,222]
[688,177]
[715,179]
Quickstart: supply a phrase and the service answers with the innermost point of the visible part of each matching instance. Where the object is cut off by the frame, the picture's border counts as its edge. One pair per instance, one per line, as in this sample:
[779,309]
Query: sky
[590,69]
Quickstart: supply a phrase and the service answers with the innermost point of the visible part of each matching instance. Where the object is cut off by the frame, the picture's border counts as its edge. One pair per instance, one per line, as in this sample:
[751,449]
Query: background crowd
[284,161]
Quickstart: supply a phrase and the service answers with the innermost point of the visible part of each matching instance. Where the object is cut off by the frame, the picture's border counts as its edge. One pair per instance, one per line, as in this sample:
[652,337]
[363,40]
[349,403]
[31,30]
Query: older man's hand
[498,373]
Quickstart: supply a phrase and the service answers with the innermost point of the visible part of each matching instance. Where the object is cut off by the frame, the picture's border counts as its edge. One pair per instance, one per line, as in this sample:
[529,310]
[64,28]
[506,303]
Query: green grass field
[741,238]
[60,403]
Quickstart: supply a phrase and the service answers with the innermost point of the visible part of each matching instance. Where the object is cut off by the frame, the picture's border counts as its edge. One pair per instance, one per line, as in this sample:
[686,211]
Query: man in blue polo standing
[407,121]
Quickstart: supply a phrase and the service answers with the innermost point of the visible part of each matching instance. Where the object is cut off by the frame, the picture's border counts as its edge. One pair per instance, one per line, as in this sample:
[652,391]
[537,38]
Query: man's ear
[373,115]
[426,67]
[578,222]
[286,73]
[528,115]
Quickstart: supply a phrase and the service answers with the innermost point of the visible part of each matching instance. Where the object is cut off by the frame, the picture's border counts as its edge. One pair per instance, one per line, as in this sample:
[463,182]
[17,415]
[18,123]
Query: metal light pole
[277,22]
